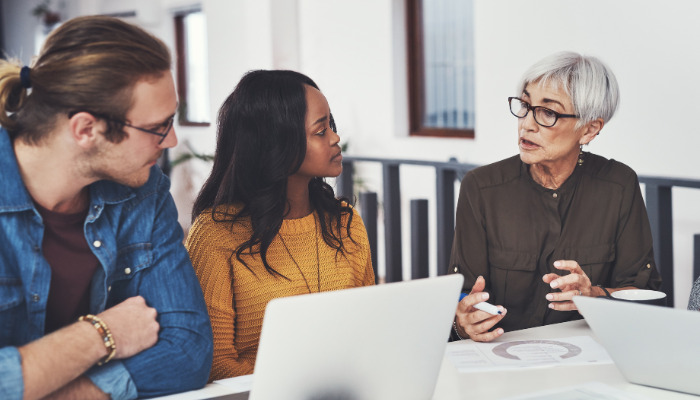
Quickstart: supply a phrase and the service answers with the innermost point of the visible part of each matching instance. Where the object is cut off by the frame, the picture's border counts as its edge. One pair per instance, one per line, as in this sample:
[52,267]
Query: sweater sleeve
[210,254]
[369,270]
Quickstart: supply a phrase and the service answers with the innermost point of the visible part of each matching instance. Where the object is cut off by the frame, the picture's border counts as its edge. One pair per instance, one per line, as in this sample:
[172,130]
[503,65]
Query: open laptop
[651,345]
[378,342]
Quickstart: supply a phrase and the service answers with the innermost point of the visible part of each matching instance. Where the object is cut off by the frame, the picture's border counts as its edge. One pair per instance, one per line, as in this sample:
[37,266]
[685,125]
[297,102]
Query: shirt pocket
[513,279]
[11,297]
[593,260]
[131,260]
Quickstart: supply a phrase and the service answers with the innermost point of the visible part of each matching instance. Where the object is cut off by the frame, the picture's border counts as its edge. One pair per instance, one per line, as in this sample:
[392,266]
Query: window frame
[416,78]
[181,65]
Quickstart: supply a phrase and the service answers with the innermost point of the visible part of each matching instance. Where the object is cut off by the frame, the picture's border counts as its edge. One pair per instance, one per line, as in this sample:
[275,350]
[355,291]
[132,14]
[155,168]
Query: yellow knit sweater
[236,298]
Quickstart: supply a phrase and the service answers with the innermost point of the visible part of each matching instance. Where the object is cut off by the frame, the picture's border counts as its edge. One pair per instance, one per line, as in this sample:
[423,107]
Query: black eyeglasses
[164,128]
[543,116]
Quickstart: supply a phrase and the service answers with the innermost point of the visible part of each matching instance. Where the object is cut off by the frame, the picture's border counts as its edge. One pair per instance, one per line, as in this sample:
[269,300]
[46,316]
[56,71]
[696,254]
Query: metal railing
[658,203]
[660,210]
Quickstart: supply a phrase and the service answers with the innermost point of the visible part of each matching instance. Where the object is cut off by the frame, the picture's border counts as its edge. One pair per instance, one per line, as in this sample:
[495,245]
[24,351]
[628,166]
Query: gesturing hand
[576,283]
[133,325]
[474,323]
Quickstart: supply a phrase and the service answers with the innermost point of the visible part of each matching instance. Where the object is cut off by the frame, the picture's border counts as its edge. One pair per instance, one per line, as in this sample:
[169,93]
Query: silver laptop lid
[651,345]
[378,342]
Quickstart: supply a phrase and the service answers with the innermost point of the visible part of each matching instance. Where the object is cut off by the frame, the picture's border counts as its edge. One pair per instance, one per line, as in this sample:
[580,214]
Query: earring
[580,156]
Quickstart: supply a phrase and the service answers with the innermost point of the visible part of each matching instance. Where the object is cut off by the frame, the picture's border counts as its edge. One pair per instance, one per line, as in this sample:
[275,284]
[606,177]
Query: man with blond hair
[98,297]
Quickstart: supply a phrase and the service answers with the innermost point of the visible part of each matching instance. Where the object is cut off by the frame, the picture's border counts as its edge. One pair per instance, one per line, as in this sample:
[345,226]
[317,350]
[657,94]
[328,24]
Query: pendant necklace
[318,262]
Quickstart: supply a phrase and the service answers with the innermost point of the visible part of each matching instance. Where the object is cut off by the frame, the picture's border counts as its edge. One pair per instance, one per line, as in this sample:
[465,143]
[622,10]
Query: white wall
[355,51]
[19,29]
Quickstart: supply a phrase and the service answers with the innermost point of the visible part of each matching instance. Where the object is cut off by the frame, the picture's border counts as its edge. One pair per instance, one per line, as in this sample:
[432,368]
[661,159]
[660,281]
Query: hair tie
[24,77]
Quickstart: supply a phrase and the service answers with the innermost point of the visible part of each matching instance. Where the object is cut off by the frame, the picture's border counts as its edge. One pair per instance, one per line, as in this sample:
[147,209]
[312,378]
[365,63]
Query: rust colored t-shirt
[72,266]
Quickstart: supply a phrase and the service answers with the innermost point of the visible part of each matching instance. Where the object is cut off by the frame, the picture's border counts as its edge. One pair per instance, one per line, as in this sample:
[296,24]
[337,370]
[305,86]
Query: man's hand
[133,325]
[134,328]
[53,365]
[474,323]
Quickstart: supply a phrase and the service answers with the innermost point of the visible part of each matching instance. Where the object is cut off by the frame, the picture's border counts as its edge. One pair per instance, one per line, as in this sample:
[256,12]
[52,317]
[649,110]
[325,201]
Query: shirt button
[554,195]
[127,271]
[97,243]
[455,269]
[109,289]
[35,298]
[37,248]
[648,265]
[96,207]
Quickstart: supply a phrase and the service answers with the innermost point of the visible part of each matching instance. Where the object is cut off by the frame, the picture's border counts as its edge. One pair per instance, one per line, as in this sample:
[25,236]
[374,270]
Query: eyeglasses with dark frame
[543,115]
[162,136]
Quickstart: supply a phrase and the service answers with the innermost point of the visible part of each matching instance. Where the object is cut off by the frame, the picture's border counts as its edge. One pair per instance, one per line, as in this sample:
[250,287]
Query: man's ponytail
[12,92]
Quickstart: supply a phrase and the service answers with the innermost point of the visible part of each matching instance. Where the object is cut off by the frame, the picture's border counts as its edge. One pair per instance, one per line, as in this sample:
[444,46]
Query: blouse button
[648,265]
[554,195]
[127,271]
[97,243]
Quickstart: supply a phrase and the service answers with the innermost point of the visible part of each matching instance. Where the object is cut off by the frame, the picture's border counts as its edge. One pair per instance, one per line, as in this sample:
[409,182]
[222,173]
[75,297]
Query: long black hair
[261,141]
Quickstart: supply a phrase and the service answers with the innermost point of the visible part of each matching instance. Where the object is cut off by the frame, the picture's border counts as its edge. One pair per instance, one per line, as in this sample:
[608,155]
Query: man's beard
[133,181]
[100,169]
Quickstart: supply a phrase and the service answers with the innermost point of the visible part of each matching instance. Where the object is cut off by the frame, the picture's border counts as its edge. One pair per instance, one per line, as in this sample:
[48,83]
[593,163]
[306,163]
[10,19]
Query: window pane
[195,25]
[448,48]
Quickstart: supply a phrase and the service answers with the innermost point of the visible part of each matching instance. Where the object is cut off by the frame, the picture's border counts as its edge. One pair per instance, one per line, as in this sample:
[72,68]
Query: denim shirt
[136,237]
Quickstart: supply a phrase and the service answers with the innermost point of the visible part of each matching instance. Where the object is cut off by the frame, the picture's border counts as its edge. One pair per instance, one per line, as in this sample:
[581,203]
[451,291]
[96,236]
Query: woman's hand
[574,284]
[473,323]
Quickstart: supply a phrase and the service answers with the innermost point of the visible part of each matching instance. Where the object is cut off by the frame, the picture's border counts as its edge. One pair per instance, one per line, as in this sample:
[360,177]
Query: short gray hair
[590,83]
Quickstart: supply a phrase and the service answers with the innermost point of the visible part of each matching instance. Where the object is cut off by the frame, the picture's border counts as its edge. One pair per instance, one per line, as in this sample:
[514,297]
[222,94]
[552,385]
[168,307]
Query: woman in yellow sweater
[266,224]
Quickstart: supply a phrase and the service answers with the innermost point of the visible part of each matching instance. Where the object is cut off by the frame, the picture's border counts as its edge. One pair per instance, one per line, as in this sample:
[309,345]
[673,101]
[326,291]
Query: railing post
[445,188]
[344,181]
[696,257]
[392,222]
[368,202]
[660,211]
[419,239]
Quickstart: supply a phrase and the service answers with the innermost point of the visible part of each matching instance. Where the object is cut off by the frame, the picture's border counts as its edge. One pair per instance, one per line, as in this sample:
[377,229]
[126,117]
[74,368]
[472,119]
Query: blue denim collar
[14,196]
[110,192]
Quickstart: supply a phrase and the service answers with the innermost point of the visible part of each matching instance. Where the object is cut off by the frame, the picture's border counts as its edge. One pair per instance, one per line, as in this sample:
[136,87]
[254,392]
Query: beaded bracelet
[104,331]
[454,325]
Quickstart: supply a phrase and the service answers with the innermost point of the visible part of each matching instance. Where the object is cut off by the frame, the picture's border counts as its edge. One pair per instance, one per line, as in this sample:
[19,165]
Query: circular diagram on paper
[510,350]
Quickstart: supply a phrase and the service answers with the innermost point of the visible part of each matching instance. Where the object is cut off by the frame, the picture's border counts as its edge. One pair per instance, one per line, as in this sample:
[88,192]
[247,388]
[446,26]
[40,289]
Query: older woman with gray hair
[553,222]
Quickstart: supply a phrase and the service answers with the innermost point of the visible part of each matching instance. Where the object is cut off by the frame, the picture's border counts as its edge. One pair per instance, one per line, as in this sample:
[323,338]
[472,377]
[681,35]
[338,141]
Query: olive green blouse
[511,230]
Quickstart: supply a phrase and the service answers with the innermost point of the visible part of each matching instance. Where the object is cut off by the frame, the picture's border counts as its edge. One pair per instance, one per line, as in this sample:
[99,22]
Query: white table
[453,385]
[499,384]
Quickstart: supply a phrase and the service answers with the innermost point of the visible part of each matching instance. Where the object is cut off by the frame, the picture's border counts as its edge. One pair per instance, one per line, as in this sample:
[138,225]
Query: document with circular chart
[533,353]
